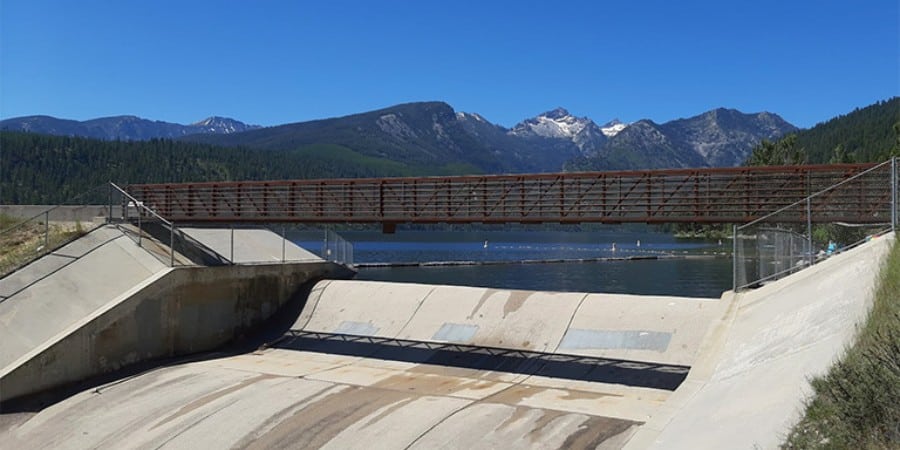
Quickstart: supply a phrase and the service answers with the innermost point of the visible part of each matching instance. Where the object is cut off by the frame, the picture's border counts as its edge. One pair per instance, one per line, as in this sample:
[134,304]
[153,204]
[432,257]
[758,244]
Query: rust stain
[519,393]
[515,394]
[432,384]
[460,372]
[208,398]
[574,394]
[515,301]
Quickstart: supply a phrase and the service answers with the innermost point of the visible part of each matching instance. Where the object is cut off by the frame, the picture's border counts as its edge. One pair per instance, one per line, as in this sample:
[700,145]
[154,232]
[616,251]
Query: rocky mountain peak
[557,123]
[558,113]
[222,125]
[612,128]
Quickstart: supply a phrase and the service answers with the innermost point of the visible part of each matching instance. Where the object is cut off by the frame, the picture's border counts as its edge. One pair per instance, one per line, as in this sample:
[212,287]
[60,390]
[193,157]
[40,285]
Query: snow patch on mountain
[464,115]
[557,123]
[219,125]
[613,128]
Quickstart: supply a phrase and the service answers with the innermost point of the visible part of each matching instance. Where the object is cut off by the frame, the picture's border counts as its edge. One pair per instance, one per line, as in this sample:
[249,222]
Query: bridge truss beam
[721,195]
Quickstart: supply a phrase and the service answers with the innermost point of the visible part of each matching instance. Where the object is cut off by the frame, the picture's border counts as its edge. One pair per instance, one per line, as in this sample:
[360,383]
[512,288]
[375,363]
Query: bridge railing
[814,228]
[721,195]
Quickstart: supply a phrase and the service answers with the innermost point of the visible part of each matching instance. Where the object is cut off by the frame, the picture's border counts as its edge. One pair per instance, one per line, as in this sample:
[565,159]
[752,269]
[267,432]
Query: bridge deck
[722,195]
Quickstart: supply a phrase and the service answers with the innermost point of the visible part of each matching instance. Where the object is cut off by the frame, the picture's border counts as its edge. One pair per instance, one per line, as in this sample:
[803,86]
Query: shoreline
[377,265]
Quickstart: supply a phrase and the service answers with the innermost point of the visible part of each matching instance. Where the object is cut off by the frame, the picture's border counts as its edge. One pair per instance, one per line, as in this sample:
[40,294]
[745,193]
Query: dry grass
[28,242]
[857,404]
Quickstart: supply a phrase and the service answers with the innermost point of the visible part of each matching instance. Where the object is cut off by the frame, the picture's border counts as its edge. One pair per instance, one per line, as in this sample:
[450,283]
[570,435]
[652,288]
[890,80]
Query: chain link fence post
[172,244]
[894,194]
[46,230]
[734,258]
[809,250]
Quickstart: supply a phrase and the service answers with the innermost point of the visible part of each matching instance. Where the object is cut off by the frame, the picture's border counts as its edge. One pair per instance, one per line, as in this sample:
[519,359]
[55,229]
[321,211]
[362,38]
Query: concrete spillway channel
[388,365]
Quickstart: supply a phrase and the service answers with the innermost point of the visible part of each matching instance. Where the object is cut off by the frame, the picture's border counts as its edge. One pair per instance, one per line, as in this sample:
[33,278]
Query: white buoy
[614,246]
[485,244]
[639,243]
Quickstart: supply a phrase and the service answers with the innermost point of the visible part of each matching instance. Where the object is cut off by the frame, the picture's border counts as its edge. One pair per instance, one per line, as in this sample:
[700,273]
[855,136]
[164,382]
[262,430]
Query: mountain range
[125,128]
[433,134]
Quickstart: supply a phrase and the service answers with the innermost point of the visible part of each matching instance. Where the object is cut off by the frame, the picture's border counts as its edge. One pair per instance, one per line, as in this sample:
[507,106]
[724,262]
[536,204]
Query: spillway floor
[286,396]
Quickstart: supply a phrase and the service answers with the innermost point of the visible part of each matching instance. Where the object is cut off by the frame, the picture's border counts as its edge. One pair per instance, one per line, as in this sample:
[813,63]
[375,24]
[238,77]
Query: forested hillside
[870,134]
[867,134]
[38,168]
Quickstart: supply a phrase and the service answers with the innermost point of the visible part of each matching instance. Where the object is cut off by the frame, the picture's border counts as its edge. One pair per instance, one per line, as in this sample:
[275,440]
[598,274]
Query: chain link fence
[811,230]
[337,249]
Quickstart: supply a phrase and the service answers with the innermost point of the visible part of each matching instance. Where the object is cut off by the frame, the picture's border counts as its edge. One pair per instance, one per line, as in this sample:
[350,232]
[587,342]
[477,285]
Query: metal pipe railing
[141,207]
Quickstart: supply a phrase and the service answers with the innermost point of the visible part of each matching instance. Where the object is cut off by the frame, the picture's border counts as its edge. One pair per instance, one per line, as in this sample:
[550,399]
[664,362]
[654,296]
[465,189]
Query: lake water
[695,272]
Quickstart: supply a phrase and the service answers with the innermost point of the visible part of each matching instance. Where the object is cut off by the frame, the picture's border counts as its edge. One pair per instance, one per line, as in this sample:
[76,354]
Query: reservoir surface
[685,267]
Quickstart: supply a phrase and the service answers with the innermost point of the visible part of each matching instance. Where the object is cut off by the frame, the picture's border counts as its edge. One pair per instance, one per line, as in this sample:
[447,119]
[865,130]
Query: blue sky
[272,62]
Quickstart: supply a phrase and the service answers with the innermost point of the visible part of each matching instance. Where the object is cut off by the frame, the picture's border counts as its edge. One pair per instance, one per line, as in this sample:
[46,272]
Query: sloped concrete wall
[658,329]
[177,312]
[751,379]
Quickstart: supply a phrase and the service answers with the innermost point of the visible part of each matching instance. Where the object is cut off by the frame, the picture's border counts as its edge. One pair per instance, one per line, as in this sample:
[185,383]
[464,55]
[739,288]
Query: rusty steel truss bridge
[711,195]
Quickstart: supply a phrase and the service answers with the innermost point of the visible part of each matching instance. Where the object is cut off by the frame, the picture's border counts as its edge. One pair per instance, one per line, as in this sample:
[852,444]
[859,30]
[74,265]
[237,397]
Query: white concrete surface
[611,325]
[55,292]
[749,385]
[751,357]
[347,306]
[283,399]
[642,328]
[250,245]
[102,302]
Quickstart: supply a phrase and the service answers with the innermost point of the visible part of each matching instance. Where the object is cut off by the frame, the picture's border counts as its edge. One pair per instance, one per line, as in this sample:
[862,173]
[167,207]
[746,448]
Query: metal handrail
[172,228]
[138,203]
[47,211]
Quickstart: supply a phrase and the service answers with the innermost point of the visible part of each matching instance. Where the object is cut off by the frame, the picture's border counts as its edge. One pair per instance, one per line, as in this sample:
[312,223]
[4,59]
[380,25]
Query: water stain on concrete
[517,394]
[211,397]
[486,295]
[320,422]
[515,301]
[601,432]
[432,384]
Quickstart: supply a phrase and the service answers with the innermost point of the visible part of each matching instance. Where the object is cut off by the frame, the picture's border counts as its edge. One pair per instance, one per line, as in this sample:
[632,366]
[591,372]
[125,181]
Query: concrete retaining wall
[659,329]
[178,312]
[78,213]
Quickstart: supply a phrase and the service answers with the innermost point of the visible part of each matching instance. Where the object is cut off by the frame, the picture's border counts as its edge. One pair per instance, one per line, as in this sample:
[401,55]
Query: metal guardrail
[335,248]
[778,244]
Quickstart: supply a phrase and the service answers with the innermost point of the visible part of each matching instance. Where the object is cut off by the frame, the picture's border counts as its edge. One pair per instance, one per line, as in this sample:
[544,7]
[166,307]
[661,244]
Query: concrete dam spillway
[352,364]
